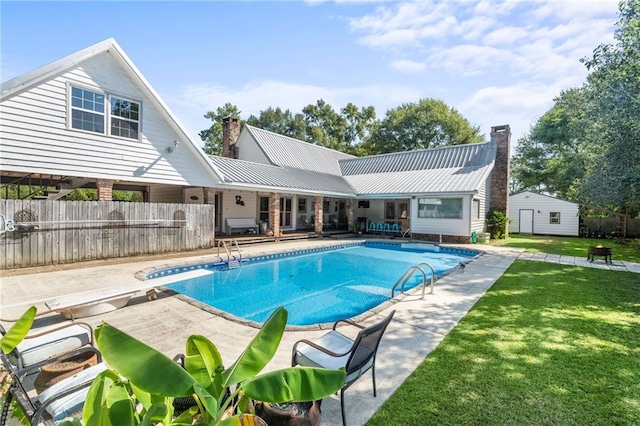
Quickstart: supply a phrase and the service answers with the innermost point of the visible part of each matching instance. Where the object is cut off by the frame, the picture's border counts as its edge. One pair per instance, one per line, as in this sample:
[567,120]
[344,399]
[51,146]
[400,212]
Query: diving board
[95,302]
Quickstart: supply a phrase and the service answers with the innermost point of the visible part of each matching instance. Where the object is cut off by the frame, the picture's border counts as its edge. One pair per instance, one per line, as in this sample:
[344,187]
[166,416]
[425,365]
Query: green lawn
[548,344]
[571,246]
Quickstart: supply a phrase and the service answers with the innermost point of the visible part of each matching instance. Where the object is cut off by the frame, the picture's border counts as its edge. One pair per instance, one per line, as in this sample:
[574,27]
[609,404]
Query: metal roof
[248,173]
[451,157]
[289,152]
[455,169]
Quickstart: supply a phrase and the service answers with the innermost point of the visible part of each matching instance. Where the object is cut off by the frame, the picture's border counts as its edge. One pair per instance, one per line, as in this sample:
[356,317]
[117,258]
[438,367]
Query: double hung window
[105,114]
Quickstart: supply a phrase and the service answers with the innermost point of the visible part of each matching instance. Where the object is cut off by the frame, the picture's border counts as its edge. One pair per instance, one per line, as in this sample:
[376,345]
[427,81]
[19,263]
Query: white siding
[478,224]
[232,210]
[542,206]
[249,150]
[35,137]
[165,194]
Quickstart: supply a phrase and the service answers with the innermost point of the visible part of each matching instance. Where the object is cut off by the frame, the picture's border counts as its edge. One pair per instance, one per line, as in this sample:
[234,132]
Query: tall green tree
[429,123]
[613,90]
[554,156]
[282,122]
[212,137]
[325,126]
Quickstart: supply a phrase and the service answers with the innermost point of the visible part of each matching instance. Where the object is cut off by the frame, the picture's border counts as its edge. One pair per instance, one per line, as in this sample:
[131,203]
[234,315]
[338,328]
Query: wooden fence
[40,232]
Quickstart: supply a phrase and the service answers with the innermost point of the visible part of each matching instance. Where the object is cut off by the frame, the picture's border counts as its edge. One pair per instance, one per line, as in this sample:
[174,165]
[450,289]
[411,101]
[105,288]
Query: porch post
[319,214]
[350,219]
[210,198]
[274,214]
[105,189]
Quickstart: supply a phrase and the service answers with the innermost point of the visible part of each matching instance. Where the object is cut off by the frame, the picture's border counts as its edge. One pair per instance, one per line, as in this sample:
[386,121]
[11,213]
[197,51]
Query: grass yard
[570,246]
[548,344]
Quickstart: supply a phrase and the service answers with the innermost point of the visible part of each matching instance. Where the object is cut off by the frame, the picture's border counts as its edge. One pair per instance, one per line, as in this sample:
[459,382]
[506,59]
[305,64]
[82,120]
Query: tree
[212,136]
[281,122]
[554,155]
[325,127]
[430,123]
[613,90]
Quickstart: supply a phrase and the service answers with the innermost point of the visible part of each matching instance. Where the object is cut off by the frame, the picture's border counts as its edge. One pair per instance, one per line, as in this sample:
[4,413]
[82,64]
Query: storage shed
[538,214]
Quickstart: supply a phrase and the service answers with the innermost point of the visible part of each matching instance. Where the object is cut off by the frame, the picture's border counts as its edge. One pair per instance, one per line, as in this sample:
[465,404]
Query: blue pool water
[317,287]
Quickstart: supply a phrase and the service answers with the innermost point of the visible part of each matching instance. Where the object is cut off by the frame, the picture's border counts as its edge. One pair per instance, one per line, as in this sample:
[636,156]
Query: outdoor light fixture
[172,148]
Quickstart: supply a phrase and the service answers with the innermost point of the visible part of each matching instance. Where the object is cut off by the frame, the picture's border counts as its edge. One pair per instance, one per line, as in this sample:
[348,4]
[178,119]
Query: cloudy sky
[496,62]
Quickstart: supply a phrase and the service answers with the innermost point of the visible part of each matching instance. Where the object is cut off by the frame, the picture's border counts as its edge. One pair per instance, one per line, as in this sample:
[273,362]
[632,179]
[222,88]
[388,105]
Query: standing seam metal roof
[289,152]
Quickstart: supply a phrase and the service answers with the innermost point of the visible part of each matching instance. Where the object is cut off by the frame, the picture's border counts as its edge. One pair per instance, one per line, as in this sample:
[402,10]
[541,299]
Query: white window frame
[108,117]
[112,117]
[434,213]
[554,218]
[475,208]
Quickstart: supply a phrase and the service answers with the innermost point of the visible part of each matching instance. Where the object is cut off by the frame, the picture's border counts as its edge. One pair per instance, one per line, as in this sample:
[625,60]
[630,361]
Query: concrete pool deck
[417,328]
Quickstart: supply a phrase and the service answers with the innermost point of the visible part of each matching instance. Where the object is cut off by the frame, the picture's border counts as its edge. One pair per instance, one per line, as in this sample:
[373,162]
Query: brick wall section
[319,215]
[274,214]
[105,189]
[350,213]
[501,169]
[447,239]
[230,133]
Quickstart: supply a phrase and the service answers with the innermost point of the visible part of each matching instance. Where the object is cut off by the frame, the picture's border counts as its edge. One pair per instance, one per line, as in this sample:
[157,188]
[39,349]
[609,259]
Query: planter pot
[290,414]
[51,374]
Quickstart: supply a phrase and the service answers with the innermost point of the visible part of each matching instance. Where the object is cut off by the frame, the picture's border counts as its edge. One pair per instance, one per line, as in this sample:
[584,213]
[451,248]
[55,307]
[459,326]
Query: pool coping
[179,267]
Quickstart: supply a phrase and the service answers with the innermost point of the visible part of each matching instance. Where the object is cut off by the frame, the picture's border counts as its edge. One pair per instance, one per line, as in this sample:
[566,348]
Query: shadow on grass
[547,344]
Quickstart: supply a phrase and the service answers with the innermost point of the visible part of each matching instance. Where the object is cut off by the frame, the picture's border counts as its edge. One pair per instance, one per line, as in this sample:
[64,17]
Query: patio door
[526,221]
[286,205]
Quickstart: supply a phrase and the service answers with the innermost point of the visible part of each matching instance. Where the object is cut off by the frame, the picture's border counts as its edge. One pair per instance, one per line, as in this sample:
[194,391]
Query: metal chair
[335,350]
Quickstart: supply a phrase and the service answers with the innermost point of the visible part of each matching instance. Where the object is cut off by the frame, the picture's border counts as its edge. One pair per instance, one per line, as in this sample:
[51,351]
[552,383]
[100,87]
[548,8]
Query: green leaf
[241,420]
[147,368]
[18,331]
[120,407]
[260,350]
[209,402]
[95,411]
[155,413]
[295,384]
[202,360]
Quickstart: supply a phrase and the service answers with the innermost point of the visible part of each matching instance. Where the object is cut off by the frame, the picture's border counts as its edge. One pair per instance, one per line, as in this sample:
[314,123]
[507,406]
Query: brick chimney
[230,133]
[501,169]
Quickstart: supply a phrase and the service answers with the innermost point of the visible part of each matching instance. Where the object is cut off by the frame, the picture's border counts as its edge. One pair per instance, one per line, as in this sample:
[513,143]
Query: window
[444,208]
[88,112]
[475,209]
[125,118]
[264,209]
[302,205]
[554,217]
[391,210]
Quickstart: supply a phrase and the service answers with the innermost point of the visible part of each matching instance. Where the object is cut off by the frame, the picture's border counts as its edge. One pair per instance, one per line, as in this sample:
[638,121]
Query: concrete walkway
[418,326]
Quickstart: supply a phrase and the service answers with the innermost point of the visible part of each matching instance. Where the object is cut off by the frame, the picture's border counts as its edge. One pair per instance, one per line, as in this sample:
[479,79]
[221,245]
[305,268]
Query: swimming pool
[318,286]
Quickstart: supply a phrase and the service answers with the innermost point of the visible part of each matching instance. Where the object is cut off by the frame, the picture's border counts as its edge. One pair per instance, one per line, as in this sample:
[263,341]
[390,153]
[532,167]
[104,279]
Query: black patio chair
[335,350]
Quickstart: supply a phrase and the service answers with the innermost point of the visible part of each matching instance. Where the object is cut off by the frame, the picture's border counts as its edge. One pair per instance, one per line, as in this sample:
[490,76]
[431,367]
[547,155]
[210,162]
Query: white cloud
[505,36]
[408,66]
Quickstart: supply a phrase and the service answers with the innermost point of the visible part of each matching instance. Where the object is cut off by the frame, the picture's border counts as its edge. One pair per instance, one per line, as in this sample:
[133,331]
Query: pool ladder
[236,261]
[409,273]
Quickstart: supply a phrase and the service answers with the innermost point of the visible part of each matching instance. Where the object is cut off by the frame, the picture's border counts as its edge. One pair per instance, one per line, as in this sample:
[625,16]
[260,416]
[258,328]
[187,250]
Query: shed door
[526,221]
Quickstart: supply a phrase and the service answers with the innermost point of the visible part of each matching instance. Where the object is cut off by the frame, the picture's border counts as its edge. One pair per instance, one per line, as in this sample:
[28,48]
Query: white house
[91,120]
[538,214]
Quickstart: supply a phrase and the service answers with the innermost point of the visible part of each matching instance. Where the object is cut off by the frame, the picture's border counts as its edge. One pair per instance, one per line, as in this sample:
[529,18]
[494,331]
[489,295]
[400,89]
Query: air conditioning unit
[193,195]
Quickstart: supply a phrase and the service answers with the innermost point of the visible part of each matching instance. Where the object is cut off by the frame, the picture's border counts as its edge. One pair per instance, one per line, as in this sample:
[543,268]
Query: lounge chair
[40,345]
[335,350]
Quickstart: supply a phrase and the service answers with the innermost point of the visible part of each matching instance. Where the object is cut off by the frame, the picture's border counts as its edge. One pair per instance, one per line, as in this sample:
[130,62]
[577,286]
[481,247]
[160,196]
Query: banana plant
[18,331]
[141,384]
